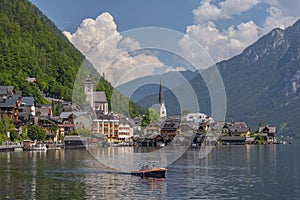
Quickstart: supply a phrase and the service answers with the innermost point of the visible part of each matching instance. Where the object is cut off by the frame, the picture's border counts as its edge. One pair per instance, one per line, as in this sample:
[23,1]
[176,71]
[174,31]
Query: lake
[228,172]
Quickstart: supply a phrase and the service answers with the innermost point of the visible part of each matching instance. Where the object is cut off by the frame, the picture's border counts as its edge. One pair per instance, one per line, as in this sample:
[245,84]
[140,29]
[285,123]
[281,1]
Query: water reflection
[228,172]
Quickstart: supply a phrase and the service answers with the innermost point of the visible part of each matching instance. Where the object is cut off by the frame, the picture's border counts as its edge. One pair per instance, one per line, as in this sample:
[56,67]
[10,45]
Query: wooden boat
[150,172]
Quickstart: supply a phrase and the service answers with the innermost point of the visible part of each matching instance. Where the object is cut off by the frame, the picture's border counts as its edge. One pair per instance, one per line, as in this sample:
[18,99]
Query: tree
[185,112]
[36,132]
[150,116]
[259,139]
[14,136]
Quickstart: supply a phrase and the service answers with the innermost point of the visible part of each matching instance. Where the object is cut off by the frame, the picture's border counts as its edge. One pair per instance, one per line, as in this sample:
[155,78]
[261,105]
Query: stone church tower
[89,91]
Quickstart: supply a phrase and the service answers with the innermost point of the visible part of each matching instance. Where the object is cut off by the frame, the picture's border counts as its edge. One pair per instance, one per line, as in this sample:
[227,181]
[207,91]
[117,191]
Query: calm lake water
[228,172]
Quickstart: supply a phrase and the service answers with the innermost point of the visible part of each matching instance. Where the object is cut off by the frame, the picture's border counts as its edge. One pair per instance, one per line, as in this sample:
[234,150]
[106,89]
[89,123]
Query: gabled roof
[65,115]
[4,90]
[27,101]
[100,97]
[8,103]
[125,121]
[269,129]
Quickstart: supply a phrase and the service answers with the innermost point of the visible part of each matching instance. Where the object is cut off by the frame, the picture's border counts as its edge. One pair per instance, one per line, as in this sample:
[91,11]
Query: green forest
[32,46]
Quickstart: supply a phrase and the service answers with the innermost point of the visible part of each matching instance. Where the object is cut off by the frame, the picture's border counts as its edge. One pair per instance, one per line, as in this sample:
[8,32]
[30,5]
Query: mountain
[32,46]
[262,83]
[149,85]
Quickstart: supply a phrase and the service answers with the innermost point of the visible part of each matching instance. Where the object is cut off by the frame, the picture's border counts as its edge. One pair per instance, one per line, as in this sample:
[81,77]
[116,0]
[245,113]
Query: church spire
[162,107]
[160,97]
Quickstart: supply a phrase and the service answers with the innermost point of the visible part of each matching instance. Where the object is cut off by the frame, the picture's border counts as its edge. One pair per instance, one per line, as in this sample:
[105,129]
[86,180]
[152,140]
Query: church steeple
[161,96]
[162,107]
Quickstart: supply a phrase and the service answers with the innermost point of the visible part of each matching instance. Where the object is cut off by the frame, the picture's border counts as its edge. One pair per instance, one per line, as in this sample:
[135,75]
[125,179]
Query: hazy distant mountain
[149,85]
[262,83]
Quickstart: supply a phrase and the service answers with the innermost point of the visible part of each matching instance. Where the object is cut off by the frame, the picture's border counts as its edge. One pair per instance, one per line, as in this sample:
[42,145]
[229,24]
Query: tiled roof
[6,89]
[65,115]
[27,101]
[8,103]
[100,97]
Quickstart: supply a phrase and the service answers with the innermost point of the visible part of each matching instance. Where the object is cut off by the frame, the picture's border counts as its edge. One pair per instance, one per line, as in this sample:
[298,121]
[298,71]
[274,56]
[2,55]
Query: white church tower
[89,91]
[162,106]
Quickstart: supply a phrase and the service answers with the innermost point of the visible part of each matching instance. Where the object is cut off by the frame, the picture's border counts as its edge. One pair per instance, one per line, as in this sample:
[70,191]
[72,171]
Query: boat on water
[155,172]
[38,147]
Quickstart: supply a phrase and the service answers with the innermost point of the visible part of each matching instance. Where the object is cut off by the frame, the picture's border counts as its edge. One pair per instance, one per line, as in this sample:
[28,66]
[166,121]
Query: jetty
[14,147]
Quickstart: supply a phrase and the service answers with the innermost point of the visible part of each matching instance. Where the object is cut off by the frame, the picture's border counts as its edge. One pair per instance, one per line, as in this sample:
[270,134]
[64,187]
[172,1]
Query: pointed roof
[160,97]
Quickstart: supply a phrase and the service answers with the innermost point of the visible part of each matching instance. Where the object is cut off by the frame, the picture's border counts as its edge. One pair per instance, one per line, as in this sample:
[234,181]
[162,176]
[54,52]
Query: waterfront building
[268,133]
[137,125]
[125,130]
[152,128]
[236,129]
[107,125]
[170,129]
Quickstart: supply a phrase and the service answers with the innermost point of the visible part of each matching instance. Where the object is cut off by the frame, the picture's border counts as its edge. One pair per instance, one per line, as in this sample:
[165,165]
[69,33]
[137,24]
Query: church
[96,99]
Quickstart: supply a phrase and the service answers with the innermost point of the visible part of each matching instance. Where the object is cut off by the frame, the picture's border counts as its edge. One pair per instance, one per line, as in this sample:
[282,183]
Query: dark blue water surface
[228,172]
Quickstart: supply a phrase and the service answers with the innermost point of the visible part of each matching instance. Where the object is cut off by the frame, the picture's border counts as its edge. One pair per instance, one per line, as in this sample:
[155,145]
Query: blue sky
[222,28]
[128,14]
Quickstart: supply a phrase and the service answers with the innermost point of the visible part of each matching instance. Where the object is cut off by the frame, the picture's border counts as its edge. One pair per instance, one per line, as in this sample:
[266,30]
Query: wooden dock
[10,147]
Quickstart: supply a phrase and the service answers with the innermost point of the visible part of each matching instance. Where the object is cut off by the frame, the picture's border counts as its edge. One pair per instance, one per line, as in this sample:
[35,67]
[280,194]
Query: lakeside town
[58,124]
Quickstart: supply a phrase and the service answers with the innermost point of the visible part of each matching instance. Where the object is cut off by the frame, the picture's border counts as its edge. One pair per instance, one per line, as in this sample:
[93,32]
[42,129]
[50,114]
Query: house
[197,118]
[70,122]
[26,110]
[185,128]
[137,125]
[6,91]
[236,129]
[75,141]
[268,133]
[107,125]
[170,129]
[152,128]
[125,130]
[150,140]
[9,107]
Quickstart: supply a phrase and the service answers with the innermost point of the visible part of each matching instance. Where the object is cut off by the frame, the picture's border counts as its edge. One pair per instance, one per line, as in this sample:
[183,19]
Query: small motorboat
[155,172]
[39,147]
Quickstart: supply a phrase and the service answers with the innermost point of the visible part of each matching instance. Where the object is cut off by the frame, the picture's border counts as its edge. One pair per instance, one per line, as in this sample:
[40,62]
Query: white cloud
[277,19]
[218,44]
[225,9]
[229,41]
[107,49]
[236,7]
[206,11]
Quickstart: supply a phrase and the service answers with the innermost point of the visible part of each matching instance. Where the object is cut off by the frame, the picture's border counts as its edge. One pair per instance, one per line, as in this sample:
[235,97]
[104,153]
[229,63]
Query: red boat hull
[153,173]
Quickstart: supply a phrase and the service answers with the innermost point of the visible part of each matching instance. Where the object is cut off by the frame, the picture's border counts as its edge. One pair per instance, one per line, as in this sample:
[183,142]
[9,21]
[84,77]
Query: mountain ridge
[262,83]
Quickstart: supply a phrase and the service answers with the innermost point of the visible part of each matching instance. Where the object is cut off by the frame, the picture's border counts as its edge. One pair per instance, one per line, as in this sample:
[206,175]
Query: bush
[36,132]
